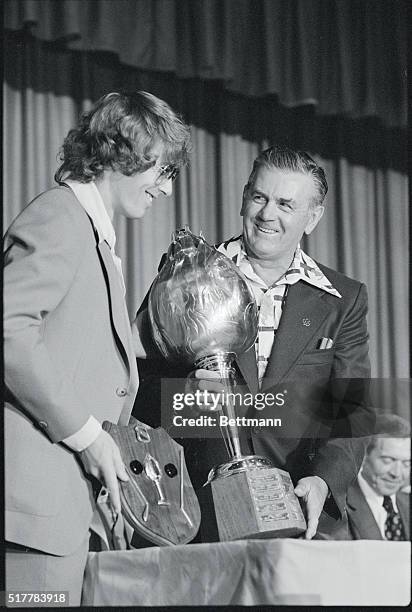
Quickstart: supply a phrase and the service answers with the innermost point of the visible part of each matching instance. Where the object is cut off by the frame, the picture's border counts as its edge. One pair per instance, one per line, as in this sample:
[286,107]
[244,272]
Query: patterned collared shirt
[270,300]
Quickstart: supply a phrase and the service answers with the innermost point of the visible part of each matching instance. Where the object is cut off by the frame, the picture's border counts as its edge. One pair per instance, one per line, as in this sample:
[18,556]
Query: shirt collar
[371,496]
[302,268]
[92,202]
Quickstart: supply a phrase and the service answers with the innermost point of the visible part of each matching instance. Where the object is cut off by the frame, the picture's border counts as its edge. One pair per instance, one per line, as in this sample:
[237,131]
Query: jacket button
[43,424]
[257,429]
[121,391]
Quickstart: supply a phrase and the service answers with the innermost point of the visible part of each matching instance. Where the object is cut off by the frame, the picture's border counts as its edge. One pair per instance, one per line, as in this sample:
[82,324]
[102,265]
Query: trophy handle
[223,363]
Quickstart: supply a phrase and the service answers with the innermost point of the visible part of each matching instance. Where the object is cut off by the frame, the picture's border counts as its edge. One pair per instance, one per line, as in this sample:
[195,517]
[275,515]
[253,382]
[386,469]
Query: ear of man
[245,188]
[315,215]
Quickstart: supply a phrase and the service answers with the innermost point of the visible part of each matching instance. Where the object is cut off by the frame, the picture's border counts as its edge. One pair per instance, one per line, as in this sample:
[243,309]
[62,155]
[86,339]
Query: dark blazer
[362,524]
[327,388]
[326,413]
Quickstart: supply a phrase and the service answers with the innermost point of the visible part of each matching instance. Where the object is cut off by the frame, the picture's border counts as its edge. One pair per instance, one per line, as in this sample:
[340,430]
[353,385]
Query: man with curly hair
[69,350]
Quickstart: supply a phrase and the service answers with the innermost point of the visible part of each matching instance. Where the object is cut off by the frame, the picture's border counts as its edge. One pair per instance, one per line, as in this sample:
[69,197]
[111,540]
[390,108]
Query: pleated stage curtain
[332,53]
[364,232]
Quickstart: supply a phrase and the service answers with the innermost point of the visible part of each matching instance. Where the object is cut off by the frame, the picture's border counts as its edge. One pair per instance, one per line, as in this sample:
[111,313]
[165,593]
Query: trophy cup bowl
[204,314]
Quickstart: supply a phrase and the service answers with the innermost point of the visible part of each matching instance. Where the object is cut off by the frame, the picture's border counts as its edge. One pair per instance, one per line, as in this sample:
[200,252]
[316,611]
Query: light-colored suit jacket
[68,355]
[362,523]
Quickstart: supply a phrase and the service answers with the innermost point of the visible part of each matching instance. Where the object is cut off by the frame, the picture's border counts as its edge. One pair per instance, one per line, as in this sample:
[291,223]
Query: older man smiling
[312,342]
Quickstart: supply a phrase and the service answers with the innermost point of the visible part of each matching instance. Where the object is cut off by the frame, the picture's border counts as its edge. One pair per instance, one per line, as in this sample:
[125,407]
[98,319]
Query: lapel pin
[306,322]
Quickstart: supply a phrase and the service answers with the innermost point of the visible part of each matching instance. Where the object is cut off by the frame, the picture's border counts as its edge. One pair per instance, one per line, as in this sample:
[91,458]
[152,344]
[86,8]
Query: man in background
[70,360]
[377,508]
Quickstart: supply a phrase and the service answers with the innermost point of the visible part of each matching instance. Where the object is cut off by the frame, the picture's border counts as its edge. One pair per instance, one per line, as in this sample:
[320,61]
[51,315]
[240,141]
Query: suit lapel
[402,502]
[118,317]
[120,325]
[361,515]
[303,314]
[248,368]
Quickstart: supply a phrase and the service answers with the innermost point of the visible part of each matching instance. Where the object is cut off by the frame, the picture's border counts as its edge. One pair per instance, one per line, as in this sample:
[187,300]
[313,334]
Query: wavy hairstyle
[119,133]
[284,158]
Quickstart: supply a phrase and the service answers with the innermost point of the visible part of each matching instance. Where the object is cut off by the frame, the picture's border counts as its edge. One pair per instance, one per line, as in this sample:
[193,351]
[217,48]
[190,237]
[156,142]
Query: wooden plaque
[159,500]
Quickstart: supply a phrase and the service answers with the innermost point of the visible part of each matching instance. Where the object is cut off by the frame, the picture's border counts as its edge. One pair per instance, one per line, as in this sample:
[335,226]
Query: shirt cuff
[85,436]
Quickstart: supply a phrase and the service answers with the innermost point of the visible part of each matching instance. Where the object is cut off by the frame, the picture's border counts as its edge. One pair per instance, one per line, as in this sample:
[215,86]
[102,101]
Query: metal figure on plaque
[204,314]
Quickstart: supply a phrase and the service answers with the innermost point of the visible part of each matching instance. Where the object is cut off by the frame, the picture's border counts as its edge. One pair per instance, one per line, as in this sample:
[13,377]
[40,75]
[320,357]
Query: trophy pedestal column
[255,502]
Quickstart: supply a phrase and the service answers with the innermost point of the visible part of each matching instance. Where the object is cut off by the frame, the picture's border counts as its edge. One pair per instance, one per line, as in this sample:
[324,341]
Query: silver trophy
[204,314]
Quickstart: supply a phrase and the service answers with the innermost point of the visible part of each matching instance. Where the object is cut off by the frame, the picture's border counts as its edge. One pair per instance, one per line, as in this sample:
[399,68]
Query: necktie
[393,525]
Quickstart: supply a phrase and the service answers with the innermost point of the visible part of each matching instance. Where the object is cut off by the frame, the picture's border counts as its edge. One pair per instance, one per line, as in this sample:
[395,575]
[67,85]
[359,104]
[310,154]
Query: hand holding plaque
[203,313]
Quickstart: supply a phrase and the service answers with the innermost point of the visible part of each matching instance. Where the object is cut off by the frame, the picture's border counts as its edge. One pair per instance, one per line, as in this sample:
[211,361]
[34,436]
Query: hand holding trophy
[204,314]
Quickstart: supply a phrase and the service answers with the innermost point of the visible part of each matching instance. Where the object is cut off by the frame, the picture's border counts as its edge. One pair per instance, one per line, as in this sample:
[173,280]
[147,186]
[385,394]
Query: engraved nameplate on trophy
[257,503]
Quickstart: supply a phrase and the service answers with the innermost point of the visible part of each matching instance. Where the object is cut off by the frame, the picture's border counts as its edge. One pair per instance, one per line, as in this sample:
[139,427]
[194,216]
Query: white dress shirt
[375,503]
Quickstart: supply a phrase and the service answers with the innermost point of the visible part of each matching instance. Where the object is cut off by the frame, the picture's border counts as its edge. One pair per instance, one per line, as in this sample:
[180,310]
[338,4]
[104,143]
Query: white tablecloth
[252,572]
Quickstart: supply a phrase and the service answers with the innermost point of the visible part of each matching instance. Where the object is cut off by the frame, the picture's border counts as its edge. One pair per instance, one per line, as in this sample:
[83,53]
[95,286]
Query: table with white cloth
[252,572]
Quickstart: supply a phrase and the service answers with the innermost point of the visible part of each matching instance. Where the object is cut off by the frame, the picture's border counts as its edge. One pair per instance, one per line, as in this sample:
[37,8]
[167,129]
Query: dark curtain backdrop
[332,53]
[50,77]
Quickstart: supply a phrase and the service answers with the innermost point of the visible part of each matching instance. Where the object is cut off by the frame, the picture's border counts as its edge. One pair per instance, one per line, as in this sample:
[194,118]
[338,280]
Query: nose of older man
[268,212]
[395,469]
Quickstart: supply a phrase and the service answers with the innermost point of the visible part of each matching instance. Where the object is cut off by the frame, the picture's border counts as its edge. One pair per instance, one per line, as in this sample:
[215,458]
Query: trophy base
[254,500]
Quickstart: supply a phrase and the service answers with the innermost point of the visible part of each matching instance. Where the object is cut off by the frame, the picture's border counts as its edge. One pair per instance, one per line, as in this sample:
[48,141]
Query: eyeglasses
[167,173]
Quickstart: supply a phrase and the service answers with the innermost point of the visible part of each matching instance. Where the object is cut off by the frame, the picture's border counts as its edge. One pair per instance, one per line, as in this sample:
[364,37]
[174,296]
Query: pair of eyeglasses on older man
[167,173]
